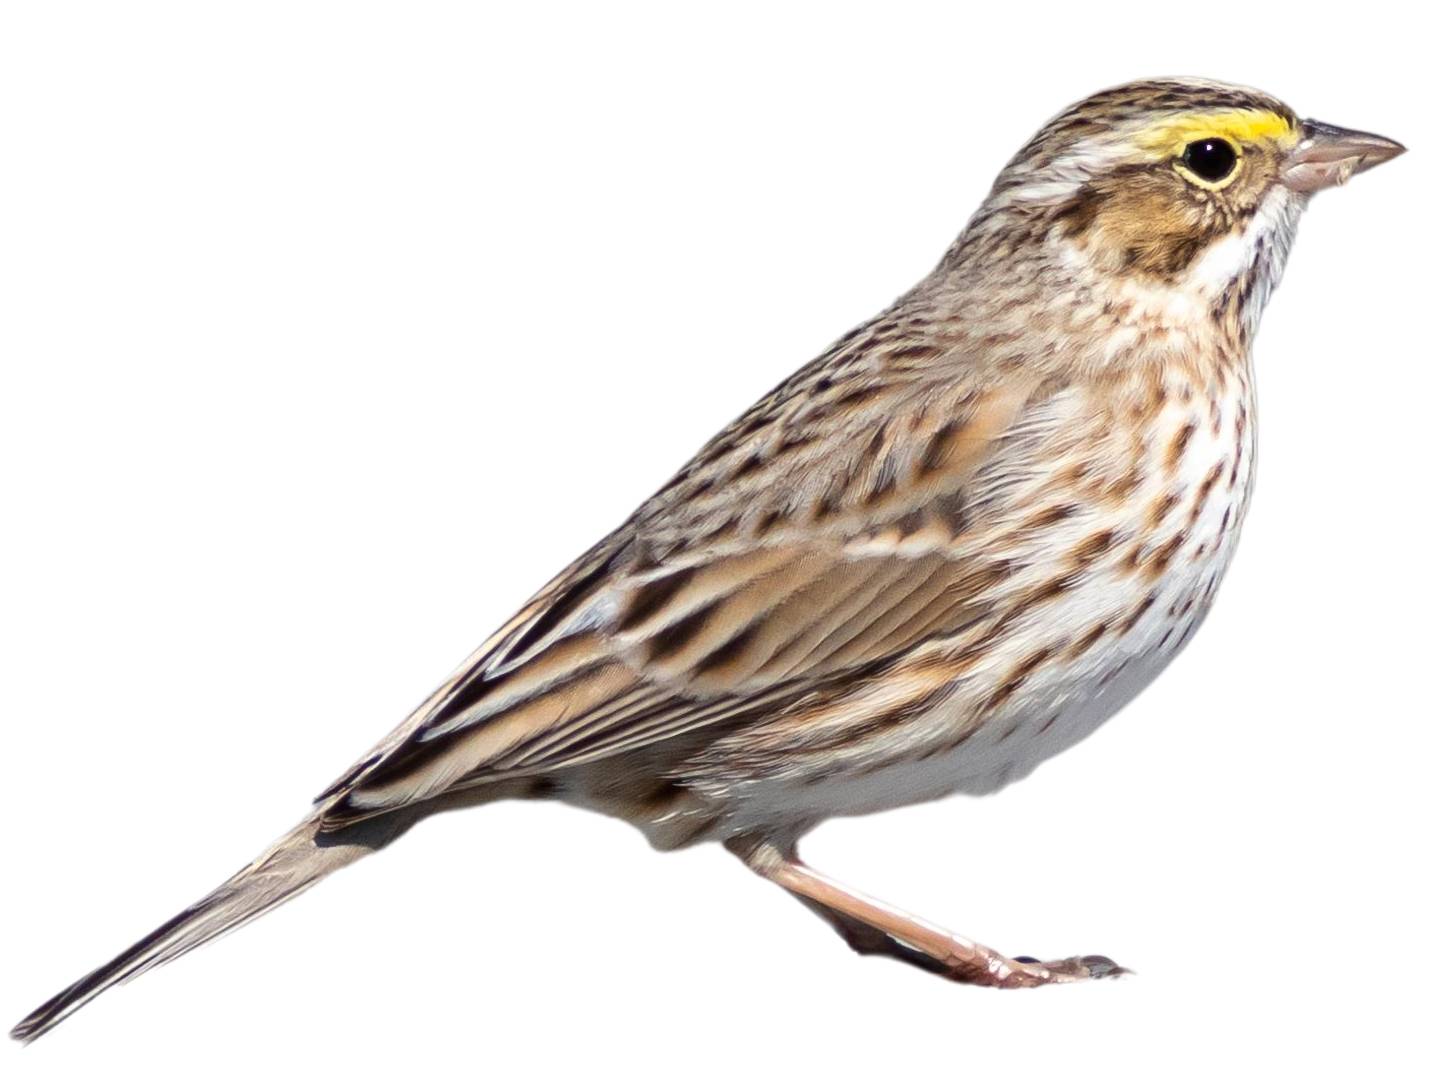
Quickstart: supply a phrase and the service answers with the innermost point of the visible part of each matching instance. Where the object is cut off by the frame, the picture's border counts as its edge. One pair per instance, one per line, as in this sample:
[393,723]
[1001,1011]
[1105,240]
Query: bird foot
[875,929]
[1027,971]
[977,964]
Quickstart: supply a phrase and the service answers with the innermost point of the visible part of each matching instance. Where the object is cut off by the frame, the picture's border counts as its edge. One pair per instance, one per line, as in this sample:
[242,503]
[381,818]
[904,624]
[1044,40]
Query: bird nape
[945,550]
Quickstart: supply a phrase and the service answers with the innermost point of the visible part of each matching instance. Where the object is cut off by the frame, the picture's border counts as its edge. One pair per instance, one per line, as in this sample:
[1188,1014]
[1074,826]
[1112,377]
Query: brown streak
[1162,556]
[1203,493]
[1086,641]
[1141,609]
[1016,679]
[1160,509]
[1176,451]
[1092,547]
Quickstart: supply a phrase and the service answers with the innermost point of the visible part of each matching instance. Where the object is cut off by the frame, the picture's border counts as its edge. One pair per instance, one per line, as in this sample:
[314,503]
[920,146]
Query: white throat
[1256,252]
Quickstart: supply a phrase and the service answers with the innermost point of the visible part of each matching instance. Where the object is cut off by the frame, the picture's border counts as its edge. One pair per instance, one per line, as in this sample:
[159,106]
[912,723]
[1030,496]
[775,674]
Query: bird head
[1186,183]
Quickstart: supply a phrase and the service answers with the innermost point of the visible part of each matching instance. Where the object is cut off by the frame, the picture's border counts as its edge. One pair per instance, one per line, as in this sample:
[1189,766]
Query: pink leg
[875,928]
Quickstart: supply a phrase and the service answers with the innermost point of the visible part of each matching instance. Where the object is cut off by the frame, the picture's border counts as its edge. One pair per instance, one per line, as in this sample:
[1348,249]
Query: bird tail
[297,861]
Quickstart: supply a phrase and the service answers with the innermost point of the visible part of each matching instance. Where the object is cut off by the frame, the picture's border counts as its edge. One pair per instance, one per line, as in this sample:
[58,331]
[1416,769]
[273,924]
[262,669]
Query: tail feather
[279,874]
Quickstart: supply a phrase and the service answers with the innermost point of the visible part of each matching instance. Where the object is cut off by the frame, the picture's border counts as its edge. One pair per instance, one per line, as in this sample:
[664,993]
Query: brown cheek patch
[1143,222]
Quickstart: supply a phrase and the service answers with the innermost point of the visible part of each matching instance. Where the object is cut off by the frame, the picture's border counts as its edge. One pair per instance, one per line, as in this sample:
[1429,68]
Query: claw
[1101,967]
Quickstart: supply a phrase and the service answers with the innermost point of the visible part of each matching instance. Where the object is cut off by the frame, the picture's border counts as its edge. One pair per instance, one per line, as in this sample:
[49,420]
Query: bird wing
[812,540]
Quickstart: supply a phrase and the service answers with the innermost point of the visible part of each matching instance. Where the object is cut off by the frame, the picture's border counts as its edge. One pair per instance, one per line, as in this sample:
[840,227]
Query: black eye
[1212,159]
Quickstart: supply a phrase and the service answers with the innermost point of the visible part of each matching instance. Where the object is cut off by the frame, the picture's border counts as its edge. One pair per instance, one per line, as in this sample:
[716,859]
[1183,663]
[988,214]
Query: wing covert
[816,537]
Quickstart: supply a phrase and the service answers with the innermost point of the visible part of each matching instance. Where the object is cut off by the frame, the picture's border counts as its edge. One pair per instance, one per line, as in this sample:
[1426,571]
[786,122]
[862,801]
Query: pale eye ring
[1210,159]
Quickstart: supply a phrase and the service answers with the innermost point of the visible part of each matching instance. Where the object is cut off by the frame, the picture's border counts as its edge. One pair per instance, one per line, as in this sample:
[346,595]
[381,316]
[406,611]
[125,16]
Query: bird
[945,550]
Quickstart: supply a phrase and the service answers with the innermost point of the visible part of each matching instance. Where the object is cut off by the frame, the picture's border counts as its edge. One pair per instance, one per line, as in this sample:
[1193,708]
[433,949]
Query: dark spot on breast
[1206,487]
[1124,486]
[1086,641]
[1017,678]
[1133,558]
[1160,559]
[1090,548]
[1176,451]
[1140,610]
[1161,508]
[1050,516]
[1039,595]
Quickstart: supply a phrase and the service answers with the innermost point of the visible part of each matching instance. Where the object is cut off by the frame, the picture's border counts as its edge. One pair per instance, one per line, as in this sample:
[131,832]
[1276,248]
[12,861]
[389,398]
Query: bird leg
[874,928]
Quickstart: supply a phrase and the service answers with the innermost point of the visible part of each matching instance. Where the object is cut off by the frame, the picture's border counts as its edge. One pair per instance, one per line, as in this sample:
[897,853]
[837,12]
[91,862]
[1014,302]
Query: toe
[1026,972]
[1101,967]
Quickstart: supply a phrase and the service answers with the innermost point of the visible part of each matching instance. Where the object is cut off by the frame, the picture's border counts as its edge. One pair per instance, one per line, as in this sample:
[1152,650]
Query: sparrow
[945,550]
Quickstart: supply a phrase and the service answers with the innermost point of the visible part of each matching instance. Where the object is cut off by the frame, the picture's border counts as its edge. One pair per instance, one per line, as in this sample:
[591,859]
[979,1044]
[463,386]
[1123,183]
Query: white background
[331,331]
